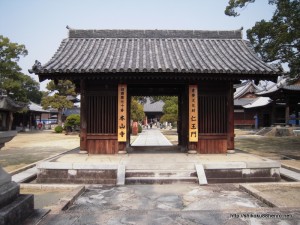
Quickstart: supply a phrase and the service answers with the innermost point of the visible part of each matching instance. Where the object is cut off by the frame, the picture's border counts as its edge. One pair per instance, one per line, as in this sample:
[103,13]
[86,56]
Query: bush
[140,128]
[58,129]
[72,122]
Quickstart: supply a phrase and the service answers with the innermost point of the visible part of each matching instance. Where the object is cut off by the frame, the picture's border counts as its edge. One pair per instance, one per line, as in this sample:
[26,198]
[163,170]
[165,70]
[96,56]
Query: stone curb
[65,201]
[50,186]
[297,170]
[63,204]
[257,194]
[35,163]
[261,196]
[76,166]
[241,165]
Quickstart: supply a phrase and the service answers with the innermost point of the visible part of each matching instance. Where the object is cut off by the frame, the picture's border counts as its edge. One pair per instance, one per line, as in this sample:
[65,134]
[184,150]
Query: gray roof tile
[243,101]
[153,107]
[117,51]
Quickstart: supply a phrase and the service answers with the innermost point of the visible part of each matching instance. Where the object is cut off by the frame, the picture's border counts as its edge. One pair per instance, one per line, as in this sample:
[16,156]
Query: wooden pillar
[230,121]
[83,116]
[297,114]
[273,113]
[179,121]
[287,111]
[9,120]
[184,130]
[121,147]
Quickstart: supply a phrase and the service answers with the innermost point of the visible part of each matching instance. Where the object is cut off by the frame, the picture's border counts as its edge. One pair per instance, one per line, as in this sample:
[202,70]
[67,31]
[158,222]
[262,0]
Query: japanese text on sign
[193,113]
[122,116]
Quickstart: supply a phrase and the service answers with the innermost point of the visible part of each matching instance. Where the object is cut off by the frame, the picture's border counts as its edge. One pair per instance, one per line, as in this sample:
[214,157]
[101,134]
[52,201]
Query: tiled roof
[7,104]
[68,112]
[285,83]
[246,87]
[243,101]
[258,102]
[153,107]
[37,108]
[154,51]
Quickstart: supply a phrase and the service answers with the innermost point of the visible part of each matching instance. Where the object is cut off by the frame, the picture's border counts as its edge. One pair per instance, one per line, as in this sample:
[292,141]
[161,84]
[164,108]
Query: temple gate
[200,67]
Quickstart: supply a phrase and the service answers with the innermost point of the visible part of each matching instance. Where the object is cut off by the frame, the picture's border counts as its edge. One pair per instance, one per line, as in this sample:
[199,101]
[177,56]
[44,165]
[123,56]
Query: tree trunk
[59,117]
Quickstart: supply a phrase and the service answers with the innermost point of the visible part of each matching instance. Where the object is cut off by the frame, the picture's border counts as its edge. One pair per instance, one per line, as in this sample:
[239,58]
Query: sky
[41,24]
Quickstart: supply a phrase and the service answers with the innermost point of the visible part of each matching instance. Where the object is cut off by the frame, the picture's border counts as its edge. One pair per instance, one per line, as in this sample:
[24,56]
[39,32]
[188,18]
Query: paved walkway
[151,137]
[169,205]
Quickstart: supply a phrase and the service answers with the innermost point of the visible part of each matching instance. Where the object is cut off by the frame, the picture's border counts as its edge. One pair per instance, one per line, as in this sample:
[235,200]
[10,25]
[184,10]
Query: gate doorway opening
[159,130]
[153,122]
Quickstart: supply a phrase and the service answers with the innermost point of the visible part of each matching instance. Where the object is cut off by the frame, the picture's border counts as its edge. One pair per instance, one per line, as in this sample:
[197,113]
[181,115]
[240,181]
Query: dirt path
[29,147]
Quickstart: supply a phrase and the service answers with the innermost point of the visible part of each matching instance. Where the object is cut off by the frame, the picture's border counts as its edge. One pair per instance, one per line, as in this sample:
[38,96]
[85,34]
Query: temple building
[108,67]
[153,111]
[285,95]
[250,109]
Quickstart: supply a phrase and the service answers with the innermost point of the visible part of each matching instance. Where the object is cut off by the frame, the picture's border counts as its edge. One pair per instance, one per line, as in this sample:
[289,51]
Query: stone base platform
[14,208]
[157,168]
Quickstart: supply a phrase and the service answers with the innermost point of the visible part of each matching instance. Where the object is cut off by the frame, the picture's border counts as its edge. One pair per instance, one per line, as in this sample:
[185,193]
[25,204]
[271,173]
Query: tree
[277,40]
[170,110]
[137,110]
[59,100]
[13,82]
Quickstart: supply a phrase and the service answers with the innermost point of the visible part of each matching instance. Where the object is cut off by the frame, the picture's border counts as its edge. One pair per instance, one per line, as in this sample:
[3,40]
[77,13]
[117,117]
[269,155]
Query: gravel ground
[30,147]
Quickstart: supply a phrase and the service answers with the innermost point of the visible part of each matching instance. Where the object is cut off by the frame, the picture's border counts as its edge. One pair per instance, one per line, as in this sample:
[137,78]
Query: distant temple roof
[73,99]
[7,104]
[153,107]
[246,88]
[284,84]
[246,95]
[68,112]
[260,101]
[36,108]
[205,53]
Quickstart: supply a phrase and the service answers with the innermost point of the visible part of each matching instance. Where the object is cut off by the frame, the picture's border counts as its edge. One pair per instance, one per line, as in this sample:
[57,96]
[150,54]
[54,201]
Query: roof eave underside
[156,76]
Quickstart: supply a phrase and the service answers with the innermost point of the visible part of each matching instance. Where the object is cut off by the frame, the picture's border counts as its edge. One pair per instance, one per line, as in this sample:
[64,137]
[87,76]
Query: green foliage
[63,87]
[17,85]
[30,89]
[137,110]
[234,4]
[140,128]
[277,40]
[72,121]
[56,101]
[170,110]
[59,100]
[58,129]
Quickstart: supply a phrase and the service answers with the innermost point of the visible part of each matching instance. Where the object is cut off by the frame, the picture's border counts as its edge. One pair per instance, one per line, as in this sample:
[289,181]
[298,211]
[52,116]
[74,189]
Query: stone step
[8,192]
[160,173]
[17,211]
[292,175]
[155,149]
[25,176]
[161,166]
[264,131]
[160,180]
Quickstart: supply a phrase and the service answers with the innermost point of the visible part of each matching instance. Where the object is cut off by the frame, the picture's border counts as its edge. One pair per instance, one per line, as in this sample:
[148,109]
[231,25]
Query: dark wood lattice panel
[102,114]
[212,114]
